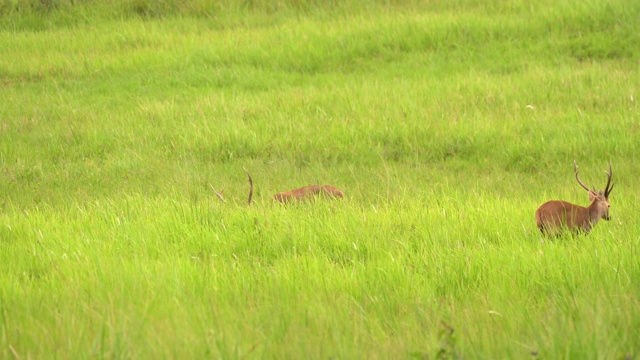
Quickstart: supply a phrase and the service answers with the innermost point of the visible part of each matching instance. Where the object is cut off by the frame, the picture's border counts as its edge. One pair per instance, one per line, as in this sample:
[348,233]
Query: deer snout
[606,213]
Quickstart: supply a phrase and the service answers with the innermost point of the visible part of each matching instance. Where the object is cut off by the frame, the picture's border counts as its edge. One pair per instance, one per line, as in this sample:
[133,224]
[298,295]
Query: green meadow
[445,123]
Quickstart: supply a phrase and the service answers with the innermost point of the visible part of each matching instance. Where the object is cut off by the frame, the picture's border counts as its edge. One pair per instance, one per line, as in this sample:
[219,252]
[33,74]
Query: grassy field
[446,124]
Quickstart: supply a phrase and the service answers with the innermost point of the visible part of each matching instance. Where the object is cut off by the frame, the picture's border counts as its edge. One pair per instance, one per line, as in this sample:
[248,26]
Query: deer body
[308,192]
[556,216]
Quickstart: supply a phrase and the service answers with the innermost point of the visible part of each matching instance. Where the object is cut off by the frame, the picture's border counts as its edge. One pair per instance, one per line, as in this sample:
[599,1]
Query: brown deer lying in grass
[301,194]
[556,216]
[307,193]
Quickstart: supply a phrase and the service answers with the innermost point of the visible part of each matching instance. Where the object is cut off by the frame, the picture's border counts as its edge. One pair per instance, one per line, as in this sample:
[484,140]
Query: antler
[219,195]
[250,186]
[607,190]
[575,169]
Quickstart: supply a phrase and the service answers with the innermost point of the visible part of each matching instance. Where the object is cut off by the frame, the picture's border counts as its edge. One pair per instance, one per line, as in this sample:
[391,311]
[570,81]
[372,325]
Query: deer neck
[594,214]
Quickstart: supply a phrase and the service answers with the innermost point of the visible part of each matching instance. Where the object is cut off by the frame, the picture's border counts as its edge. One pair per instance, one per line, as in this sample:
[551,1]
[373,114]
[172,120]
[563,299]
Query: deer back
[308,192]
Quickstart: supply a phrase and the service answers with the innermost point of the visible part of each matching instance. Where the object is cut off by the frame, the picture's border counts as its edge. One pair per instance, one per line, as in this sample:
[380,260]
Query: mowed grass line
[446,125]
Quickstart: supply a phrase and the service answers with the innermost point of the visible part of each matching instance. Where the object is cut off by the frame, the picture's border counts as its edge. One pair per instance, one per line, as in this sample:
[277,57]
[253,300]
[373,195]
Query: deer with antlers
[300,194]
[555,216]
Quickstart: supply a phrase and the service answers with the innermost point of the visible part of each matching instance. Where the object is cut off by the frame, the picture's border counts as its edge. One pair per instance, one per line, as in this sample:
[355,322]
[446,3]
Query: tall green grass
[445,123]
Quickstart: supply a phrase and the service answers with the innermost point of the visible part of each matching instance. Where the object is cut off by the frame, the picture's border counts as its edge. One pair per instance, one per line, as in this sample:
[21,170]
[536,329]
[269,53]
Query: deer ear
[592,195]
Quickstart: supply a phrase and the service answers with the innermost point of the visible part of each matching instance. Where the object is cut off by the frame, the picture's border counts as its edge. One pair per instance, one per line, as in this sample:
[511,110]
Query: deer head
[601,197]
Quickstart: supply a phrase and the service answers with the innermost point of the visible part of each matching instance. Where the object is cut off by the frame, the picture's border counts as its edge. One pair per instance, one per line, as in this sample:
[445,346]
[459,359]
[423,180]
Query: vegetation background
[446,124]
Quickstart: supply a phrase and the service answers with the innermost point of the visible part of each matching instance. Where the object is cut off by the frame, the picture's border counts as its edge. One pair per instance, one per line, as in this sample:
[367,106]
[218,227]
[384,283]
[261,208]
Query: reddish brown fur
[555,216]
[308,192]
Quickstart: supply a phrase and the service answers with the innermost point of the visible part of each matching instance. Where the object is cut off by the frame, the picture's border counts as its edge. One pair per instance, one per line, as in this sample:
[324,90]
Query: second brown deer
[308,192]
[556,216]
[300,194]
